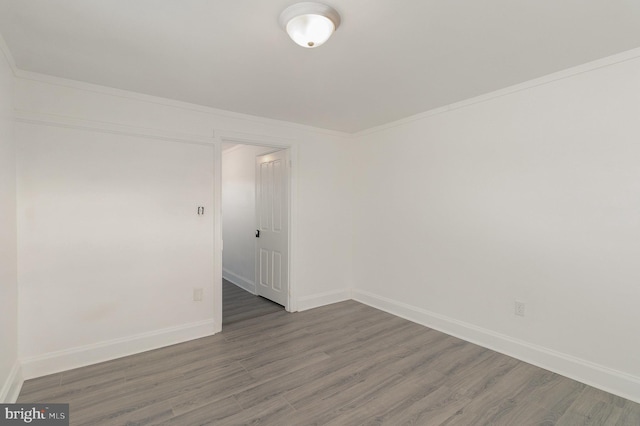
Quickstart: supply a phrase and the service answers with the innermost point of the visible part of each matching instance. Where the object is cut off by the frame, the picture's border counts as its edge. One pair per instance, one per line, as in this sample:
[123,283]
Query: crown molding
[22,116]
[626,56]
[89,87]
[126,94]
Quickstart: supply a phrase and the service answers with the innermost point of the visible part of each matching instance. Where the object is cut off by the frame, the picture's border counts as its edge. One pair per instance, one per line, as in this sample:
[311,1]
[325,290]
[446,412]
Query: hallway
[239,305]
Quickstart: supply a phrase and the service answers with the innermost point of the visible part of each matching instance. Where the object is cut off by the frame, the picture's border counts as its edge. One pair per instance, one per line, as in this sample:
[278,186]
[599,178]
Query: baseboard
[243,283]
[12,385]
[322,299]
[598,376]
[68,359]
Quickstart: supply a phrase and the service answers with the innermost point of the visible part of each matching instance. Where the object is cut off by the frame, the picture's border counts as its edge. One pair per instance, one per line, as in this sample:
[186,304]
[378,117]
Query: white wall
[109,240]
[8,272]
[239,214]
[80,244]
[531,195]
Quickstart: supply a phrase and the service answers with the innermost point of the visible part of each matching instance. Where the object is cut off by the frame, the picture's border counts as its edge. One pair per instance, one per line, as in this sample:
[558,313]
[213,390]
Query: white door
[272,233]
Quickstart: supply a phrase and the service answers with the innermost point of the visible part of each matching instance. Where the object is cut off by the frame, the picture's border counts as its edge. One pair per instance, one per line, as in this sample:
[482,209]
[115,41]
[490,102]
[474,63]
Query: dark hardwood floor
[343,364]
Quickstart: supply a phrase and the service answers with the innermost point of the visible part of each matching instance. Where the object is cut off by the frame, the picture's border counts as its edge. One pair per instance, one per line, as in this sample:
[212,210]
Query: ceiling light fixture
[309,24]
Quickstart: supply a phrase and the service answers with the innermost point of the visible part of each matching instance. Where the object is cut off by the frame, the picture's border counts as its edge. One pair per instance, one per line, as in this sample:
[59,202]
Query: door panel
[264,268]
[272,196]
[277,270]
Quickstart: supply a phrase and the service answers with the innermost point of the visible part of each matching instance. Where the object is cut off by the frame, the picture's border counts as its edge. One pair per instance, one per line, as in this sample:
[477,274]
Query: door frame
[292,154]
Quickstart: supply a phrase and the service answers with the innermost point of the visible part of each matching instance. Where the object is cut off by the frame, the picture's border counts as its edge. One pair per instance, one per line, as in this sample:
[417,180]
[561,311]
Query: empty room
[334,213]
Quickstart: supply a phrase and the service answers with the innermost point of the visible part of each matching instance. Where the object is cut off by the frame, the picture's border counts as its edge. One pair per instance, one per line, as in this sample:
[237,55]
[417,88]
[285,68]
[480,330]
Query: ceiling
[388,60]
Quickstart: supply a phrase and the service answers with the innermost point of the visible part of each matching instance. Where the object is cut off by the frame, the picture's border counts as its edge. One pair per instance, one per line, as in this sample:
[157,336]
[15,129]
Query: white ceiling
[388,60]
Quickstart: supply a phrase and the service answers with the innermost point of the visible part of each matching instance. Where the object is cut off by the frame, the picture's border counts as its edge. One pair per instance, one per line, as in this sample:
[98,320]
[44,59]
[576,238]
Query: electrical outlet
[197,295]
[519,308]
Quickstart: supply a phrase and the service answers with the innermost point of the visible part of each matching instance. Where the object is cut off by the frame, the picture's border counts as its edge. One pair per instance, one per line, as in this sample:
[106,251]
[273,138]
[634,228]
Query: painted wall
[109,240]
[239,214]
[447,219]
[85,186]
[530,195]
[8,271]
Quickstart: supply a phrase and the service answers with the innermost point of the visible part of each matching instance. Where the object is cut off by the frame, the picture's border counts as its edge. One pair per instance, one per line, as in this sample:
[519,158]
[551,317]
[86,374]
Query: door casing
[291,148]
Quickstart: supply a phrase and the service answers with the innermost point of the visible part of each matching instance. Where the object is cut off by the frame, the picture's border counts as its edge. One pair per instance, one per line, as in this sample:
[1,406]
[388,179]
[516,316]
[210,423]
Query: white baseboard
[243,283]
[598,376]
[68,359]
[322,299]
[12,385]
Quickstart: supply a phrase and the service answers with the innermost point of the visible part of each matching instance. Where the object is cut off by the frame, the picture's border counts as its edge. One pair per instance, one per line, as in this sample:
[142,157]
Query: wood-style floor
[240,305]
[343,364]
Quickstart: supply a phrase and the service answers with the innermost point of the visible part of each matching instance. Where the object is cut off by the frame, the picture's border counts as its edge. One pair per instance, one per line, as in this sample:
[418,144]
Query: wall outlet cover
[197,295]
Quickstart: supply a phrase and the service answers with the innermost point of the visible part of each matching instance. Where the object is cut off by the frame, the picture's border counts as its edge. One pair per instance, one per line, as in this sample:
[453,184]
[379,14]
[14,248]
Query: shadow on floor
[239,304]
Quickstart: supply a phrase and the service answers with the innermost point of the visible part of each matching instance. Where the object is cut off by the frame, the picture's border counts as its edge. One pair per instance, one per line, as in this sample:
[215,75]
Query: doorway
[253,205]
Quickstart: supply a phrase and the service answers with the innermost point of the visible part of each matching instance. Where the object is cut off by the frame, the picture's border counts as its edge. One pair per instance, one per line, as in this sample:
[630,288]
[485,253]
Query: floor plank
[342,364]
[239,305]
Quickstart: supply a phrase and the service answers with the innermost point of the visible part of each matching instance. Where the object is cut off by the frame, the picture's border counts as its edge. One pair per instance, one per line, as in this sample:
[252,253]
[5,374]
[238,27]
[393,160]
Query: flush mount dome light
[309,24]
